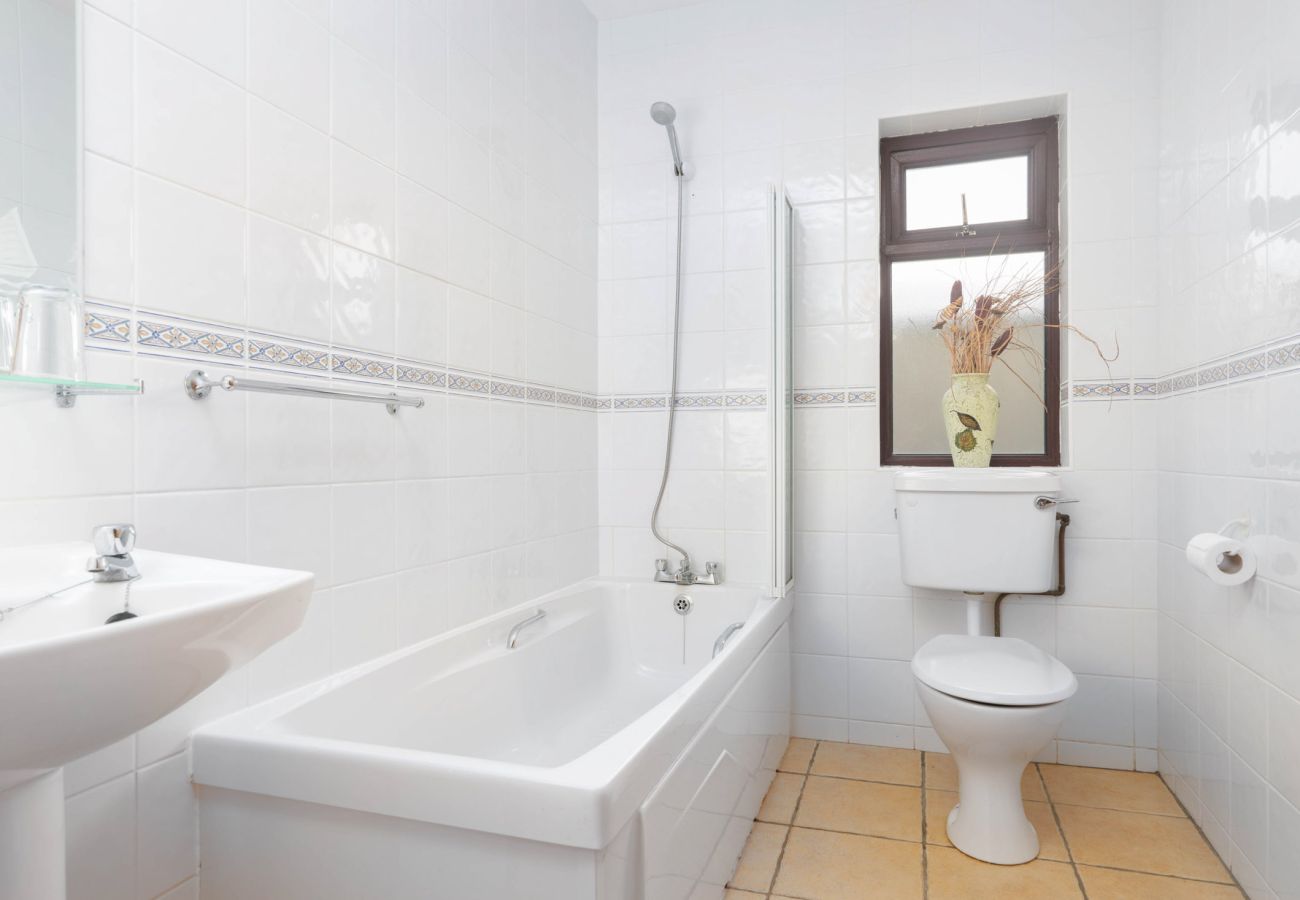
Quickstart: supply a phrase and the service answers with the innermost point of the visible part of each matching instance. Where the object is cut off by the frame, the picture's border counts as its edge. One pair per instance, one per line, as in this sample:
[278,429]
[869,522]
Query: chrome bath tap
[686,575]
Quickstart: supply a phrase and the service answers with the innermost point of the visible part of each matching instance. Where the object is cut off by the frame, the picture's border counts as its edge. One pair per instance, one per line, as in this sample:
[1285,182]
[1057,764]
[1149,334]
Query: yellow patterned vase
[970,415]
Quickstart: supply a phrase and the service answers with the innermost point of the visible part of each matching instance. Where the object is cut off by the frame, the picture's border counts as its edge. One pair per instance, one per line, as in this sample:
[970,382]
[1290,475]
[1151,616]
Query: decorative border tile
[509,390]
[747,400]
[862,397]
[1100,390]
[200,341]
[101,326]
[421,376]
[361,367]
[700,401]
[819,398]
[1285,356]
[473,384]
[639,403]
[275,353]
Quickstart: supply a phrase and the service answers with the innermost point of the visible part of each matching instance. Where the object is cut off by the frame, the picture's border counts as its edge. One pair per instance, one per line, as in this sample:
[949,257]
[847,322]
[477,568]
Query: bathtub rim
[581,803]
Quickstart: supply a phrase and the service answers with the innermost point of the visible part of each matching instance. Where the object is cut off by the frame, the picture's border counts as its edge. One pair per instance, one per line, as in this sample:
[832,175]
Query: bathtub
[609,756]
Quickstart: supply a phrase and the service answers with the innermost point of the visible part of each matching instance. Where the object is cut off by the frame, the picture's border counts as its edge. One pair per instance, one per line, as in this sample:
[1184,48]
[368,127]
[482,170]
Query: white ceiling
[617,9]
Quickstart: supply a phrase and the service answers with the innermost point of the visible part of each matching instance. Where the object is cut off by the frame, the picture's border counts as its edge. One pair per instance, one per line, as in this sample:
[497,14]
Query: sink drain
[682,604]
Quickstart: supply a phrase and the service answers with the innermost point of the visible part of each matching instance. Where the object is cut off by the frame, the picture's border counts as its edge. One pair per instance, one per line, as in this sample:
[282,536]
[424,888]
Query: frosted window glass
[919,289]
[997,190]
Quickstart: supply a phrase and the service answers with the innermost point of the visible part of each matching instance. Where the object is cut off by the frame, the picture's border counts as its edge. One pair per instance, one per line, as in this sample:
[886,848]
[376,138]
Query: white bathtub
[606,757]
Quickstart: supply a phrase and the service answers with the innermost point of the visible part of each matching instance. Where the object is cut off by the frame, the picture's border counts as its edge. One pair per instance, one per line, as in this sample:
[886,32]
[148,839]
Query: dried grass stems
[981,333]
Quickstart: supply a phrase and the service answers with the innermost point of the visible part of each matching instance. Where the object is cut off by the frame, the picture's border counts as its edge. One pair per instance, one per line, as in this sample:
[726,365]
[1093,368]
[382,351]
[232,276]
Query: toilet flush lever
[1049,502]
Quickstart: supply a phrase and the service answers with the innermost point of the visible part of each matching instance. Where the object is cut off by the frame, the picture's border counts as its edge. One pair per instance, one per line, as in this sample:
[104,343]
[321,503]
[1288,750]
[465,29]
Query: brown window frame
[1040,232]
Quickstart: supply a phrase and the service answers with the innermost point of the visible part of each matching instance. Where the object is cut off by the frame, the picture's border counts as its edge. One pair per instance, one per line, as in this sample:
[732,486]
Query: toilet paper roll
[1223,560]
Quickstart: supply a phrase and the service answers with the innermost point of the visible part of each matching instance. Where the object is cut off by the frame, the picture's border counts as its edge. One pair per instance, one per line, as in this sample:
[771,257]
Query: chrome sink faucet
[686,575]
[112,560]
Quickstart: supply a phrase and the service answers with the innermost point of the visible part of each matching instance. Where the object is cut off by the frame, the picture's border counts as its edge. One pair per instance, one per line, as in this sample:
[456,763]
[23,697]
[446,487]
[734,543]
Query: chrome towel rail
[198,385]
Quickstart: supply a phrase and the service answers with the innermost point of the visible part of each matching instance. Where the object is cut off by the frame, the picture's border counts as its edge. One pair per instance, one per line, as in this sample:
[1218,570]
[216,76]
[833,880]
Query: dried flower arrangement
[980,333]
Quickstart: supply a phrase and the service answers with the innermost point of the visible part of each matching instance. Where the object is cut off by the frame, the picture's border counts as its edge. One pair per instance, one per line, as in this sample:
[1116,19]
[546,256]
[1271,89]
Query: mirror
[39,170]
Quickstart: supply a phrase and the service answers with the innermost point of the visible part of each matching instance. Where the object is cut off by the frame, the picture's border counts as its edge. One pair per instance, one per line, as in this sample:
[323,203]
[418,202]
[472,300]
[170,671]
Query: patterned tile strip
[188,340]
[155,333]
[101,326]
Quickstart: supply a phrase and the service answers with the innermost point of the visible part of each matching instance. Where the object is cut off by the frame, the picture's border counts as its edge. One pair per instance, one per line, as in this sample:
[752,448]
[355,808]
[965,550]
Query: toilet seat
[999,671]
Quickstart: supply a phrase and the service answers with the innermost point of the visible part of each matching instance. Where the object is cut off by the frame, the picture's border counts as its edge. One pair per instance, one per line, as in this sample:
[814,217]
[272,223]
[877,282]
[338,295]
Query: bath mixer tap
[112,560]
[686,576]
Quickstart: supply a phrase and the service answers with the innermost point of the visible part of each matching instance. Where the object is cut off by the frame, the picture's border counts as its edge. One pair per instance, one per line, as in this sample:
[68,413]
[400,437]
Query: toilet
[993,701]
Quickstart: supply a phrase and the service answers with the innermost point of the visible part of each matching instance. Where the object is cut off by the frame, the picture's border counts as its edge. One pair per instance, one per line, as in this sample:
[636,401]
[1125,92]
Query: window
[977,205]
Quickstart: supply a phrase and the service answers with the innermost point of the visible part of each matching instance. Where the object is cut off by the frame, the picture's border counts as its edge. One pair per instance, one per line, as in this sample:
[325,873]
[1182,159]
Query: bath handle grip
[513,638]
[727,632]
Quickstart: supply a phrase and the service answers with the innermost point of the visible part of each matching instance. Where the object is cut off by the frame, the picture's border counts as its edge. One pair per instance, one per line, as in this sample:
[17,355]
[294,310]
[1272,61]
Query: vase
[970,415]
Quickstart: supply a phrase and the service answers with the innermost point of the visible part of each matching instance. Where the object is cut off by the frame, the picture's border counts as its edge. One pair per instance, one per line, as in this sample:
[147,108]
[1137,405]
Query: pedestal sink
[71,684]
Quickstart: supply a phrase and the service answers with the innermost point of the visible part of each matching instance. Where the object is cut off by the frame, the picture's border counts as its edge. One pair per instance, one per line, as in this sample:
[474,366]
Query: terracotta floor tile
[941,775]
[797,755]
[758,860]
[863,807]
[1050,843]
[955,876]
[868,763]
[778,805]
[824,865]
[733,894]
[1109,884]
[1111,789]
[1164,845]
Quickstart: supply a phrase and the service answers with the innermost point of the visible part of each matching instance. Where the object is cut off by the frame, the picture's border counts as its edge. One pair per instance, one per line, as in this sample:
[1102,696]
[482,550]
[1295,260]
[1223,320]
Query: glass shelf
[66,392]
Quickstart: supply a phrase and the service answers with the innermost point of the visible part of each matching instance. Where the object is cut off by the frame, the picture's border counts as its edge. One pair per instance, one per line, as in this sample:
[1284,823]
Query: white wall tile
[289,60]
[189,123]
[207,31]
[190,252]
[288,168]
[101,841]
[166,826]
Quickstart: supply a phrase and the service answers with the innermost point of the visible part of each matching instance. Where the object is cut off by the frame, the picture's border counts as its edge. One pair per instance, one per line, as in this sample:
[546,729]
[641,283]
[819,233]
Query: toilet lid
[998,670]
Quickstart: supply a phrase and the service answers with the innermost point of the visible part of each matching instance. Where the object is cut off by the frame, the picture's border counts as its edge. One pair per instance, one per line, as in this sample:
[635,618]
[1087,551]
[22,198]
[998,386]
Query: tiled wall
[1229,446]
[392,193]
[796,92]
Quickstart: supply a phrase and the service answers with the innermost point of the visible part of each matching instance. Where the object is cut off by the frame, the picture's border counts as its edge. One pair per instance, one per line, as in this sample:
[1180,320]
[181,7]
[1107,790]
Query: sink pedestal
[32,839]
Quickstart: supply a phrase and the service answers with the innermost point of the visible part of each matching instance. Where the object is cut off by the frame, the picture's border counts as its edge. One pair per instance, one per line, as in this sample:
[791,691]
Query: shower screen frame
[780,405]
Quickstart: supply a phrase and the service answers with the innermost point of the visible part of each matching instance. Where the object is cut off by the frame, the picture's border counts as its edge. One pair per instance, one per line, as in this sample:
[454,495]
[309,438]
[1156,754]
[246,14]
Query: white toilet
[994,701]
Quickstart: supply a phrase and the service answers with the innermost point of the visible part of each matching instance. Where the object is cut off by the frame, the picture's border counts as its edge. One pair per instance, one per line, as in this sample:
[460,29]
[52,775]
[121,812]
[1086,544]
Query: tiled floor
[848,821]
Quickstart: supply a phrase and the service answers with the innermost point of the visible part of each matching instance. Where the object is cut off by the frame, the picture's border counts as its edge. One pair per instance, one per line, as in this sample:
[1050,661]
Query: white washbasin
[71,684]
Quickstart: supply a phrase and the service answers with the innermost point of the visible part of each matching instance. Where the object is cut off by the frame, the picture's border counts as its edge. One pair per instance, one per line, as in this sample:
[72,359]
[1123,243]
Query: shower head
[664,114]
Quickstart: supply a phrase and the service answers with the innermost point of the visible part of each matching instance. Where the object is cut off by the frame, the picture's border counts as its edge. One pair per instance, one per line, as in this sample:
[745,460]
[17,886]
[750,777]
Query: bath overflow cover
[683,604]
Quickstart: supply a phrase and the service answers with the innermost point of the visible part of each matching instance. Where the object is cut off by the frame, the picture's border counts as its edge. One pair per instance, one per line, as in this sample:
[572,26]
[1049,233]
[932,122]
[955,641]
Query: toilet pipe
[1062,522]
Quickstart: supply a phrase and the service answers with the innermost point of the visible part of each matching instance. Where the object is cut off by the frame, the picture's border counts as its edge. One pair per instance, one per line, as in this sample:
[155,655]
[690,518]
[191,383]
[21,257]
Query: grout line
[925,851]
[1165,875]
[1200,831]
[780,857]
[811,774]
[1051,804]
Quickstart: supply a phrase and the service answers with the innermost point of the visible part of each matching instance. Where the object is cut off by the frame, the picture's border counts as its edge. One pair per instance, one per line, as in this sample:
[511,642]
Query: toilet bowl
[994,702]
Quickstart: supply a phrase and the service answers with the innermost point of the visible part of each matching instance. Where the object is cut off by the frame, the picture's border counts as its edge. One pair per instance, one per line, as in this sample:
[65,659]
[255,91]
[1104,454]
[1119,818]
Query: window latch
[965,230]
